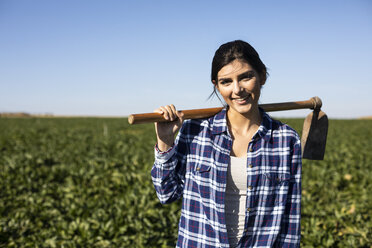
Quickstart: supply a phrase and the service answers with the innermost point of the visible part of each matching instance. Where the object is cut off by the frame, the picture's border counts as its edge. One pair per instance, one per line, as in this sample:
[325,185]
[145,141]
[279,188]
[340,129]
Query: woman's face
[240,85]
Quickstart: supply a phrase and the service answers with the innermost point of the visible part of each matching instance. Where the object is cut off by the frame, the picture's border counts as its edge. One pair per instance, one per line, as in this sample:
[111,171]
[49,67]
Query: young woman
[238,172]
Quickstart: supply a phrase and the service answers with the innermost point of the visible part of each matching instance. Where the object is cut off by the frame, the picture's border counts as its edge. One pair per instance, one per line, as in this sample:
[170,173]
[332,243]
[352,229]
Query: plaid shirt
[195,169]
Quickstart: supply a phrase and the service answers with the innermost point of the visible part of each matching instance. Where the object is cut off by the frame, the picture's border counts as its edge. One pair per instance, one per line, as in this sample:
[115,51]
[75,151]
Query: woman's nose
[236,87]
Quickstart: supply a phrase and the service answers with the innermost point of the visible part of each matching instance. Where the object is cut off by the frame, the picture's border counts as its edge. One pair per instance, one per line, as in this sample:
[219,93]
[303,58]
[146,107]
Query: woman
[238,172]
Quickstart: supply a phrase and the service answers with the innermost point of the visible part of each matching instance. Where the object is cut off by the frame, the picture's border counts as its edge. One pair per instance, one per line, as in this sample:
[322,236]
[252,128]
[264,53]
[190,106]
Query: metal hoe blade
[314,135]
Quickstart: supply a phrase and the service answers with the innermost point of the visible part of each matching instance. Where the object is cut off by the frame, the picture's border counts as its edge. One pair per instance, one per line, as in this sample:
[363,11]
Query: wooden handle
[312,103]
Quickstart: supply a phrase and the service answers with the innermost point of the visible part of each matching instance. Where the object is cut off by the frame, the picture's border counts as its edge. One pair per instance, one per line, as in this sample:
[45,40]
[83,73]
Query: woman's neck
[244,123]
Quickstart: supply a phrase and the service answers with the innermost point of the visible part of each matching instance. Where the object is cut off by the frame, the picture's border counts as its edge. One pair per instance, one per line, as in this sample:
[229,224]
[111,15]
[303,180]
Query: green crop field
[85,182]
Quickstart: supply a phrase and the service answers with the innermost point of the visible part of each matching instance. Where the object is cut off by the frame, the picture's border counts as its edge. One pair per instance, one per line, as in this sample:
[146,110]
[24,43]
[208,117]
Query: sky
[115,58]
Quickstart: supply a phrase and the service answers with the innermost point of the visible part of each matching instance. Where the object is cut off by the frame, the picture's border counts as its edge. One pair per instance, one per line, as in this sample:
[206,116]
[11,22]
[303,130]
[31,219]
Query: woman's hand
[166,131]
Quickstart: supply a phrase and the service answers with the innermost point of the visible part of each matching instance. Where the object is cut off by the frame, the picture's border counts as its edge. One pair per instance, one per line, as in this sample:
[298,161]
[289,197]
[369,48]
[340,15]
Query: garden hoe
[314,132]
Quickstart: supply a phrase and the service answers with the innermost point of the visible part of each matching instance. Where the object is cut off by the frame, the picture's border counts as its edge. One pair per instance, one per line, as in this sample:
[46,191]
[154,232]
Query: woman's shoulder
[283,129]
[194,126]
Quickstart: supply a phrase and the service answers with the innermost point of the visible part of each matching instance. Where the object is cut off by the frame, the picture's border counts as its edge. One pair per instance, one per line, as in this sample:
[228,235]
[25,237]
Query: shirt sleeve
[290,229]
[168,171]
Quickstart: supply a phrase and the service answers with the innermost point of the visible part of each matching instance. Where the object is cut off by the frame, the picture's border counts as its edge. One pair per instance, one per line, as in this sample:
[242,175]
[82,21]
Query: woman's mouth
[241,100]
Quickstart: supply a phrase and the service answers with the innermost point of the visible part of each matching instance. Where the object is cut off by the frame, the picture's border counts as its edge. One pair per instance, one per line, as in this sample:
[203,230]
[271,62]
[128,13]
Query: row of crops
[85,182]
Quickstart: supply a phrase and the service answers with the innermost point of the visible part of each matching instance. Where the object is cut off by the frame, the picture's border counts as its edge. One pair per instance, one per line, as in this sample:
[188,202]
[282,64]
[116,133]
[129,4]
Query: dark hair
[239,50]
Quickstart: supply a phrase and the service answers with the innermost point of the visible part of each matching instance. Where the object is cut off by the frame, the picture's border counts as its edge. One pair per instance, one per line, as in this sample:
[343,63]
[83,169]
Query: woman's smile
[241,100]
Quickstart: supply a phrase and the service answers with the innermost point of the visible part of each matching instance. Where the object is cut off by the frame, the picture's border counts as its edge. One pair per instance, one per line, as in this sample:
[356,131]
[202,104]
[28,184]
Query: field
[85,182]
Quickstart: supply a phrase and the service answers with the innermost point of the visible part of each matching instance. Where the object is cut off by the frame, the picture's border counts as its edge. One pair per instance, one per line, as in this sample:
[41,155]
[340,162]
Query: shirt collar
[220,125]
[265,129]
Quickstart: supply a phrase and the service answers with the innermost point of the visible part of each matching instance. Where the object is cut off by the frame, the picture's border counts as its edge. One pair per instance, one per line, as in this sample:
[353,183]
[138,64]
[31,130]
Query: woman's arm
[168,171]
[290,229]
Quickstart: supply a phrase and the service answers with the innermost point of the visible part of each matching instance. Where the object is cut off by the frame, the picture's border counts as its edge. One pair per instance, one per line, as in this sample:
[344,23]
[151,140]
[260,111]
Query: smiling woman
[239,171]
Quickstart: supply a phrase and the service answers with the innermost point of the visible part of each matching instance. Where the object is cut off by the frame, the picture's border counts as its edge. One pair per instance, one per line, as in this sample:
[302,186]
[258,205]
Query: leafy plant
[85,182]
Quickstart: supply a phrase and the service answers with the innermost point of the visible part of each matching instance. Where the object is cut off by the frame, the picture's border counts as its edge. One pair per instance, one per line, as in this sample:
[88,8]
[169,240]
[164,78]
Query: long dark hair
[239,50]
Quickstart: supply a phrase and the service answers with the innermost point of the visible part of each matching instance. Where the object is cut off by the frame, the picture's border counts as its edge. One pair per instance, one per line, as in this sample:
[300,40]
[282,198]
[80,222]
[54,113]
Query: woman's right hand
[166,131]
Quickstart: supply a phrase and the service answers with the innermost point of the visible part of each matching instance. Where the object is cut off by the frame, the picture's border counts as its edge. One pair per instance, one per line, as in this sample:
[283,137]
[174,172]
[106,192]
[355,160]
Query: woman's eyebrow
[246,74]
[224,79]
[240,76]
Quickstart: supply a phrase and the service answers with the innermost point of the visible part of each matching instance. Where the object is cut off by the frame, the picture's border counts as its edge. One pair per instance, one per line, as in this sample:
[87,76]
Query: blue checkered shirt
[196,168]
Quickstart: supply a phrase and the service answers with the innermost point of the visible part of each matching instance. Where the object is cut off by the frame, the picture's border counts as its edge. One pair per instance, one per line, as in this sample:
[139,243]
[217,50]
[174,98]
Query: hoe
[314,132]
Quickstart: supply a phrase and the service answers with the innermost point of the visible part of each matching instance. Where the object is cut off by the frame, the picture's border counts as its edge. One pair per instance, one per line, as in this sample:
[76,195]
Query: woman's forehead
[233,68]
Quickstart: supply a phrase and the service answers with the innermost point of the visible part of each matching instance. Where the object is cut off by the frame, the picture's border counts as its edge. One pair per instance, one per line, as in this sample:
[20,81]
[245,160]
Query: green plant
[85,182]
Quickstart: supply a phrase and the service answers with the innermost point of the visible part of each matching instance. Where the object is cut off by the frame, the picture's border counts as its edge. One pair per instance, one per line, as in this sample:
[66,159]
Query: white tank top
[235,198]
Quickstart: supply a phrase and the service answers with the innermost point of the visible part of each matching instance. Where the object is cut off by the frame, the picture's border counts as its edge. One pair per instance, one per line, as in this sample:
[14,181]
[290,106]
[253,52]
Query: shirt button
[251,149]
[197,168]
[249,187]
[248,209]
[250,166]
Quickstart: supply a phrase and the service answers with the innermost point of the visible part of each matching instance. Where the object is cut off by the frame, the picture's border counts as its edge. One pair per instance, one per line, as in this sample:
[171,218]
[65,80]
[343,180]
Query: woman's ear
[215,84]
[262,79]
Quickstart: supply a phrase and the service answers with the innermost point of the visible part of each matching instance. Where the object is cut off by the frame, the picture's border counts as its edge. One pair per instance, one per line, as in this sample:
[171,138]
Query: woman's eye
[248,77]
[224,82]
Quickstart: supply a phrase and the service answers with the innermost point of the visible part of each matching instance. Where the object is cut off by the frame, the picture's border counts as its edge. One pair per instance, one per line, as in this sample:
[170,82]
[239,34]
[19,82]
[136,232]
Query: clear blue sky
[121,57]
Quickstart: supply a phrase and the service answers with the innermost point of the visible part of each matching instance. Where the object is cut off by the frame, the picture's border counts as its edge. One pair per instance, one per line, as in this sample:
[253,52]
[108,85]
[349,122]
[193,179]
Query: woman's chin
[242,109]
